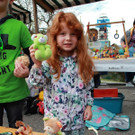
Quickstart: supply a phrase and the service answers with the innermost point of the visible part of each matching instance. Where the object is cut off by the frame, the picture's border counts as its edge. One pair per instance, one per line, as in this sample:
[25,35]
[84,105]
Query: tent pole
[35,16]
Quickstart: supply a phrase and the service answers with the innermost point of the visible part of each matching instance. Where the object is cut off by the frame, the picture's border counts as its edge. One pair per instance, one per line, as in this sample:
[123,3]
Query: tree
[44,18]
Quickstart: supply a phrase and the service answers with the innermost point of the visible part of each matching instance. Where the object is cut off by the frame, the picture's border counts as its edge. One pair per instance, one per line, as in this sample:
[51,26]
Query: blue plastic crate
[112,104]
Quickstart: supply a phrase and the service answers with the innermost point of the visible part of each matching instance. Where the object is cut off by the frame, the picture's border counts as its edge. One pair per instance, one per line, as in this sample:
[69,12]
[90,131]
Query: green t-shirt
[15,36]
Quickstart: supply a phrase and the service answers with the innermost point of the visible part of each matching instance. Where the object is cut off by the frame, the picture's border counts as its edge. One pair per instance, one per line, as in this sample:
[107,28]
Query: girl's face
[66,40]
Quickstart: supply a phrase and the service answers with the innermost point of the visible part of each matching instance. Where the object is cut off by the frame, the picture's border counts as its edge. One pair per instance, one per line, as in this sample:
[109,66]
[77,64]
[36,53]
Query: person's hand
[123,45]
[87,113]
[21,70]
[37,63]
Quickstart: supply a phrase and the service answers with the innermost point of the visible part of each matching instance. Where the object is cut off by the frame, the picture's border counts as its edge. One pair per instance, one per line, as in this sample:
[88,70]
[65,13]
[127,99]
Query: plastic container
[112,104]
[105,92]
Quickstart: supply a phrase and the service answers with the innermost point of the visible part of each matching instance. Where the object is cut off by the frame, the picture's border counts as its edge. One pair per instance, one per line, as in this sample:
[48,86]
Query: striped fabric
[51,5]
[21,13]
[48,5]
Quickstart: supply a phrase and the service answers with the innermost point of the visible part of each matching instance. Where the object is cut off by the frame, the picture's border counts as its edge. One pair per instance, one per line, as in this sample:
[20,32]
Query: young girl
[67,75]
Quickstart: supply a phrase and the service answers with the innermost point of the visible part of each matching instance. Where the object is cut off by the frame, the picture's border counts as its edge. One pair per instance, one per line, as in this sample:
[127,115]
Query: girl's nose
[68,37]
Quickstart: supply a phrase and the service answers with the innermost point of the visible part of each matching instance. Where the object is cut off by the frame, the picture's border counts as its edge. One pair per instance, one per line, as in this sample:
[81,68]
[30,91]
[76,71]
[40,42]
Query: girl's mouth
[67,45]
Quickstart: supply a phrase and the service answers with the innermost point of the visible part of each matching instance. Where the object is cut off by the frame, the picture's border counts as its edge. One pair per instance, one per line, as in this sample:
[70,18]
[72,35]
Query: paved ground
[36,122]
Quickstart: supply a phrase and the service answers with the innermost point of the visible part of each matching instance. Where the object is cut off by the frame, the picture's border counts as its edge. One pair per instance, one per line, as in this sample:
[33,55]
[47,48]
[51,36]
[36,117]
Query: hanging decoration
[116,36]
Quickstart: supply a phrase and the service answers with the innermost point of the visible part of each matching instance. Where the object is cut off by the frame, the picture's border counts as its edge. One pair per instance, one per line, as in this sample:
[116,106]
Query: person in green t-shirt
[14,35]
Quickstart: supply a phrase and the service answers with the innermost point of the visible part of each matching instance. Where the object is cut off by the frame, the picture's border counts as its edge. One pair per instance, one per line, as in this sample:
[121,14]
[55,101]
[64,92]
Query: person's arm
[122,41]
[21,70]
[26,51]
[88,113]
[89,101]
[36,77]
[39,76]
[40,71]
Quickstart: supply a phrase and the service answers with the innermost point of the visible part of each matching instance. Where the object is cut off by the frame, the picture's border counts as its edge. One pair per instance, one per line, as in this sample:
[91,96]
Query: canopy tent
[20,13]
[51,5]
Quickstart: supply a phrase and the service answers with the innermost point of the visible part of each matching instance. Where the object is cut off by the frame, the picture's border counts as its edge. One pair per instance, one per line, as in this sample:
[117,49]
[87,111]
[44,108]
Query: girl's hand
[87,113]
[37,63]
[21,70]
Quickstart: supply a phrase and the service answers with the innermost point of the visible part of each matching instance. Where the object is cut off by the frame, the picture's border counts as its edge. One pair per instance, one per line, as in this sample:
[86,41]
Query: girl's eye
[73,34]
[62,33]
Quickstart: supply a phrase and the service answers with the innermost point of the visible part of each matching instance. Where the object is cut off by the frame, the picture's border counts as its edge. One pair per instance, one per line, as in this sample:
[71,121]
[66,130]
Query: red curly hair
[84,60]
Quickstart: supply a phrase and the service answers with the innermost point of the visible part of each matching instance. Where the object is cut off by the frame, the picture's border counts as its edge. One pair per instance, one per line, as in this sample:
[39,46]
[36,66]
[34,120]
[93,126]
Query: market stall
[116,65]
[107,57]
[99,43]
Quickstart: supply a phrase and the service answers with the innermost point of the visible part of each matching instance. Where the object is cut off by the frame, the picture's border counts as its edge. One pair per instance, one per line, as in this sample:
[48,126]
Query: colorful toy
[23,59]
[23,130]
[6,133]
[40,105]
[93,35]
[52,126]
[131,51]
[126,52]
[43,51]
[121,52]
[41,95]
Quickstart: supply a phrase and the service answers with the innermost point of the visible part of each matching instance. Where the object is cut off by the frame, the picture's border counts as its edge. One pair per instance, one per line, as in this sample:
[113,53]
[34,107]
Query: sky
[115,10]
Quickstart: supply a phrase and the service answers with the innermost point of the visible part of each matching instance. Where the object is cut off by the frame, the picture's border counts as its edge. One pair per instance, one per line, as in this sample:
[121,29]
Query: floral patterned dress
[66,98]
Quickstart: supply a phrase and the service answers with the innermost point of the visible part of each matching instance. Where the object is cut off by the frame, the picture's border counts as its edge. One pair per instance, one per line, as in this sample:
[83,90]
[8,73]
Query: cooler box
[112,104]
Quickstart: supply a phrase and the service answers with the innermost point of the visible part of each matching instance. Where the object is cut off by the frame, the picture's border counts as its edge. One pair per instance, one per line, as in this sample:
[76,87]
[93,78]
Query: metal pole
[35,16]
